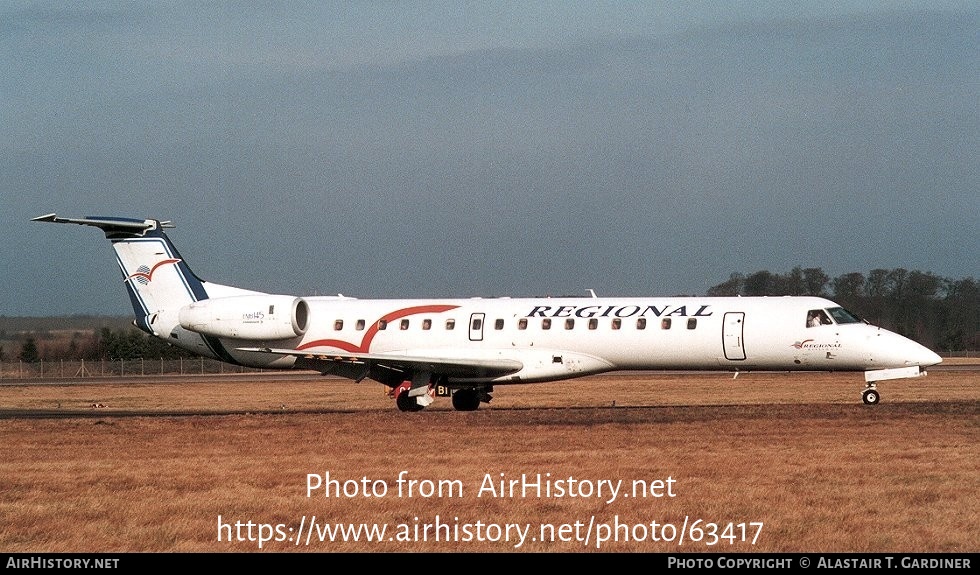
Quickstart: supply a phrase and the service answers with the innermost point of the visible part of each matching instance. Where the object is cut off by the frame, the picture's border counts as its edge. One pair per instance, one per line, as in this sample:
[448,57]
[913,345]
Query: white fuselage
[560,338]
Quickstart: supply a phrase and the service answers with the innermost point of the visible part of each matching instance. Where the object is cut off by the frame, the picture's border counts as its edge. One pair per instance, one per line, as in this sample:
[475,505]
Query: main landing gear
[871,395]
[406,402]
[464,399]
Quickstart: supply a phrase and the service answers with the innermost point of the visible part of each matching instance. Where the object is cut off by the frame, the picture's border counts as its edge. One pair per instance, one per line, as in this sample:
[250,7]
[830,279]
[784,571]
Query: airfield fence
[12,370]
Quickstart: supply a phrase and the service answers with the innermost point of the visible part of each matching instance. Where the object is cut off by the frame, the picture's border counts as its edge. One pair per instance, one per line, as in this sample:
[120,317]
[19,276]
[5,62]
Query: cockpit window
[841,315]
[817,317]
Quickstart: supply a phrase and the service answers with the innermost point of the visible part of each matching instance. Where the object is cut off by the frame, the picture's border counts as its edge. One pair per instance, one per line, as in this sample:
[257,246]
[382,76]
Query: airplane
[462,348]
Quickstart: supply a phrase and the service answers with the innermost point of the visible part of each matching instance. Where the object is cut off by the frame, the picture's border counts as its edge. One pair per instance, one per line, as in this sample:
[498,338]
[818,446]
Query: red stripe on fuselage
[365,345]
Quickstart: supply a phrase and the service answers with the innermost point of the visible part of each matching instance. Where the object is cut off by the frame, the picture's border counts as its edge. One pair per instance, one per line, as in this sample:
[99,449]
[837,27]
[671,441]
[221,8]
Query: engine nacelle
[255,317]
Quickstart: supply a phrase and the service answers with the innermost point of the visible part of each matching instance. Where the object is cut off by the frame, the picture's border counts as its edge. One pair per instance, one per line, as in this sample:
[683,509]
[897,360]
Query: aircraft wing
[360,365]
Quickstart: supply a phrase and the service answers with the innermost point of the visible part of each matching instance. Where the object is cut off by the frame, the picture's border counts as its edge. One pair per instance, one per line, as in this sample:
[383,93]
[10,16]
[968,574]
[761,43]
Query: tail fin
[156,276]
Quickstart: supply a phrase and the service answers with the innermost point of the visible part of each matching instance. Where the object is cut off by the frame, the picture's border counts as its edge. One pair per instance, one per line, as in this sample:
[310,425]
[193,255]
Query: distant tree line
[941,313]
[107,344]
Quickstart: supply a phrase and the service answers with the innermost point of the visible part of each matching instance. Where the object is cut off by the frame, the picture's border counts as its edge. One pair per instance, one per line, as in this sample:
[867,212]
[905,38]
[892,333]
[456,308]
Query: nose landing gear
[871,395]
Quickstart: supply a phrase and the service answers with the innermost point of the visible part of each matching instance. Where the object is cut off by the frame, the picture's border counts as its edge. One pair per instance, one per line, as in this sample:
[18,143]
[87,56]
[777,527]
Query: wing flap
[448,366]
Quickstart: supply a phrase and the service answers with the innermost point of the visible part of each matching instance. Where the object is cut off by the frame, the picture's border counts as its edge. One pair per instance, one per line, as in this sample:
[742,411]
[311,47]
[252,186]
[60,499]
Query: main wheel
[403,401]
[466,400]
[871,396]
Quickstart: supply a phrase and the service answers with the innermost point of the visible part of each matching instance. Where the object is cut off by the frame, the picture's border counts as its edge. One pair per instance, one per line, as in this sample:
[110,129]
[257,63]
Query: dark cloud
[638,164]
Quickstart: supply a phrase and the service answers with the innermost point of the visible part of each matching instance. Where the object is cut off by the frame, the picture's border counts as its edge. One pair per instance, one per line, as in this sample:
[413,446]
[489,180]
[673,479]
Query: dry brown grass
[797,452]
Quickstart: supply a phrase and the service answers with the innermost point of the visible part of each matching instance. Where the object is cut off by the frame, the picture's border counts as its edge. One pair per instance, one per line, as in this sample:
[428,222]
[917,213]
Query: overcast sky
[457,149]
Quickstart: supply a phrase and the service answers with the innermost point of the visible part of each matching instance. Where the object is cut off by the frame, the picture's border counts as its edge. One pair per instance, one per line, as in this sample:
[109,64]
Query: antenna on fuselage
[592,292]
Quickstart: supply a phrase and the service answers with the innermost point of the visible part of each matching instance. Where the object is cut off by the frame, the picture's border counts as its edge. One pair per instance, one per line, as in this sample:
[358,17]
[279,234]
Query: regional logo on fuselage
[809,344]
[620,311]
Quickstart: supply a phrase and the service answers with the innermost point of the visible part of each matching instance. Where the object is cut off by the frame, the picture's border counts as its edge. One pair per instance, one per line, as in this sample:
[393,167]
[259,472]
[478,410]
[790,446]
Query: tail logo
[144,273]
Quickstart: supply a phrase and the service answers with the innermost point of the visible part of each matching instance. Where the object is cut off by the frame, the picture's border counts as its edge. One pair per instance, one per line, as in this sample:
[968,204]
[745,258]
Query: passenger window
[569,323]
[477,324]
[617,323]
[338,325]
[546,323]
[665,323]
[499,324]
[593,323]
[450,324]
[382,324]
[404,324]
[360,325]
[522,323]
[426,324]
[641,323]
[692,323]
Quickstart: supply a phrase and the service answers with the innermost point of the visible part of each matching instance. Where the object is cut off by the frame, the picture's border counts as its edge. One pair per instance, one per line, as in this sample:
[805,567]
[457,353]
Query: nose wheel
[871,395]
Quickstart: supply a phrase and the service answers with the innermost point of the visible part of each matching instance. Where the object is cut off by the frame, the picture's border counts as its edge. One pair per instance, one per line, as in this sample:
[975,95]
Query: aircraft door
[476,326]
[734,323]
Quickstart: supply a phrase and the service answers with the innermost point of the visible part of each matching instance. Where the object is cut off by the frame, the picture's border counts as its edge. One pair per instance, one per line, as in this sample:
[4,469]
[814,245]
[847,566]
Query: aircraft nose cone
[918,354]
[929,357]
[899,351]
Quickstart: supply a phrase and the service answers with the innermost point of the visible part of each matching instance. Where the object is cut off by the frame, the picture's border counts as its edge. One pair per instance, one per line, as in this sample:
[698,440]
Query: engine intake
[254,317]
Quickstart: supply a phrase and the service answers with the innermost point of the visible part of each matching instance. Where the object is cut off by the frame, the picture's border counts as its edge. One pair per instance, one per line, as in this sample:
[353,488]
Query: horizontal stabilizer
[107,224]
